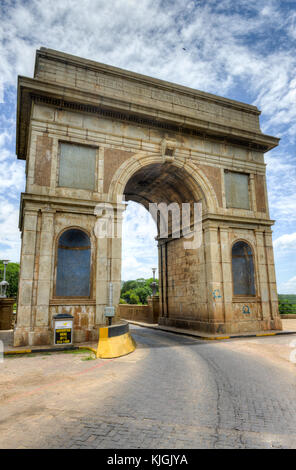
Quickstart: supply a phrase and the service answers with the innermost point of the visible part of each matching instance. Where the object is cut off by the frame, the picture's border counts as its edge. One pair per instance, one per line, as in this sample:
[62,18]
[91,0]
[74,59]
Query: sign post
[63,329]
[110,310]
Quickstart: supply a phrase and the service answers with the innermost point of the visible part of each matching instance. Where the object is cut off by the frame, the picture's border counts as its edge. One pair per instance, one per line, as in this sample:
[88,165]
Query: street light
[153,284]
[4,284]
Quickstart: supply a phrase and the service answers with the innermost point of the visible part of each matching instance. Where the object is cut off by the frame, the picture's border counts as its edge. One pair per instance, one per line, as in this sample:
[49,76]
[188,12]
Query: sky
[240,49]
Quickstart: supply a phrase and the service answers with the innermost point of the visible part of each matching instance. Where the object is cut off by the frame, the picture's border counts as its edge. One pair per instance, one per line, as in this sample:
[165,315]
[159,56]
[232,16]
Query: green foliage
[137,291]
[134,298]
[12,277]
[287,304]
[290,297]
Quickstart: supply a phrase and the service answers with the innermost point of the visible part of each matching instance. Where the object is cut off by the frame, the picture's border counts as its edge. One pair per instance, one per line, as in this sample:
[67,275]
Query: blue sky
[241,49]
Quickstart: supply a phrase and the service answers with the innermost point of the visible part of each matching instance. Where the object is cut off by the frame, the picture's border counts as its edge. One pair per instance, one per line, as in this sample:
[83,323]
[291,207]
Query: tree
[285,307]
[143,293]
[139,287]
[134,298]
[12,277]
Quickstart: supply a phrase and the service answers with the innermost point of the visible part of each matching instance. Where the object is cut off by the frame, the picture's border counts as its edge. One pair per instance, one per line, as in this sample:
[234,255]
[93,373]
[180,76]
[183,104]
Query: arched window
[243,269]
[73,264]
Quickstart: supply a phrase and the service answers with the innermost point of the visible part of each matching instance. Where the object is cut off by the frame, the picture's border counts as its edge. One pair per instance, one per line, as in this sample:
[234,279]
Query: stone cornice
[136,78]
[87,206]
[73,99]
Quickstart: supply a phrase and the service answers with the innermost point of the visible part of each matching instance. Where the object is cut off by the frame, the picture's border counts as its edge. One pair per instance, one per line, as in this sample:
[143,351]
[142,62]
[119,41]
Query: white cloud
[286,242]
[9,233]
[139,248]
[12,174]
[242,49]
[288,287]
[281,178]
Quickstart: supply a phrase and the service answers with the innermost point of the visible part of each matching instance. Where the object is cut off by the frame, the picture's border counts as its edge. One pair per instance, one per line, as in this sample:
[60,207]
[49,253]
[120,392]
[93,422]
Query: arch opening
[169,185]
[174,187]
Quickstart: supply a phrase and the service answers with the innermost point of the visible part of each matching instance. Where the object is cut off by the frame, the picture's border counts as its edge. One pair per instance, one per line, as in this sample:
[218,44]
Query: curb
[211,338]
[115,341]
[40,350]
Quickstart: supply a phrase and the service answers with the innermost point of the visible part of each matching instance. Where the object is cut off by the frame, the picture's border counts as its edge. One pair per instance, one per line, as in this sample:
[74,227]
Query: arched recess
[73,271]
[191,178]
[243,269]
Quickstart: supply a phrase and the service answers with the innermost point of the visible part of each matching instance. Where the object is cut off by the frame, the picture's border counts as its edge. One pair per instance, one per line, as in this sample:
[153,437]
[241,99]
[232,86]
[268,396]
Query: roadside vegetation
[12,277]
[287,304]
[136,291]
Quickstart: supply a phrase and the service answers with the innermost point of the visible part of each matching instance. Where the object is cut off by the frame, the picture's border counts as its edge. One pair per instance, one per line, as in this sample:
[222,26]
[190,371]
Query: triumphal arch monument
[92,134]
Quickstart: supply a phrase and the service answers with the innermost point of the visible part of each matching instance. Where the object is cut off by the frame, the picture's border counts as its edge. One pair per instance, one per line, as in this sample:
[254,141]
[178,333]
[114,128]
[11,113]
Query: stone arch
[197,181]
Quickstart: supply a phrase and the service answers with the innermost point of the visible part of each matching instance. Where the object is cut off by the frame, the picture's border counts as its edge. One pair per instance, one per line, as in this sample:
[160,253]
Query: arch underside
[158,182]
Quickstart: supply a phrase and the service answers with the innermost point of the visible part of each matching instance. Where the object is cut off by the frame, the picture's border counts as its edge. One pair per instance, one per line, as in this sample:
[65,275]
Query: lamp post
[153,284]
[4,284]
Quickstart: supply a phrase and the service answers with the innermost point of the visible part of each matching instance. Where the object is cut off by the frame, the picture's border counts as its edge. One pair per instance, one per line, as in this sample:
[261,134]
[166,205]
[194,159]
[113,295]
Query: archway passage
[179,268]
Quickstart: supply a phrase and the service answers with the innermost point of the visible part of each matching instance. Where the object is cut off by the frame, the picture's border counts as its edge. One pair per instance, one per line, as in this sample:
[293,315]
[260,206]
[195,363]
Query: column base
[24,336]
[247,326]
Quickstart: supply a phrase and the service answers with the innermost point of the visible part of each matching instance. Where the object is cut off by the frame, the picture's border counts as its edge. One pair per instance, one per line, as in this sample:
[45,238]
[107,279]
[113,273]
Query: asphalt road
[173,392]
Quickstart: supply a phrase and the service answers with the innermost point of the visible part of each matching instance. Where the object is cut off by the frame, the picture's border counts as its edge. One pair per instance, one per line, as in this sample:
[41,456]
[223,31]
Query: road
[173,392]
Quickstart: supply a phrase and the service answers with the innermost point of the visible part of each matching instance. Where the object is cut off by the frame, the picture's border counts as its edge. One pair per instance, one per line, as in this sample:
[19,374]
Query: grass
[90,355]
[14,356]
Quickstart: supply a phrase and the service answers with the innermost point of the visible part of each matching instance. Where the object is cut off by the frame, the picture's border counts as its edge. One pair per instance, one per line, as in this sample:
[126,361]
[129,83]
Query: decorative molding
[167,149]
[142,121]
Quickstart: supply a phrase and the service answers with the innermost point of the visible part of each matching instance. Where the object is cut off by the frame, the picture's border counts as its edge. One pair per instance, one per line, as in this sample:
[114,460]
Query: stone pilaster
[101,280]
[262,277]
[226,267]
[214,278]
[273,294]
[42,328]
[25,292]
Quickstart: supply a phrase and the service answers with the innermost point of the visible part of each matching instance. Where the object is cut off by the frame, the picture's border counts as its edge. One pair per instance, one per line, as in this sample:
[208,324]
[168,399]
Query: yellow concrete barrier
[20,351]
[115,341]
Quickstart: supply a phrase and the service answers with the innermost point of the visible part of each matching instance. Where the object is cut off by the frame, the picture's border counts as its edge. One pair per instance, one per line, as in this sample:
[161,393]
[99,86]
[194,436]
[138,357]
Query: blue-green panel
[237,190]
[77,166]
[243,269]
[73,267]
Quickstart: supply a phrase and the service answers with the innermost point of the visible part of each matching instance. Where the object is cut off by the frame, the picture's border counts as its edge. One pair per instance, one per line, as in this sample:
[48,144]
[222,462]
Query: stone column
[42,329]
[101,280]
[160,278]
[214,280]
[116,248]
[25,290]
[164,279]
[226,264]
[262,277]
[153,303]
[276,322]
[108,259]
